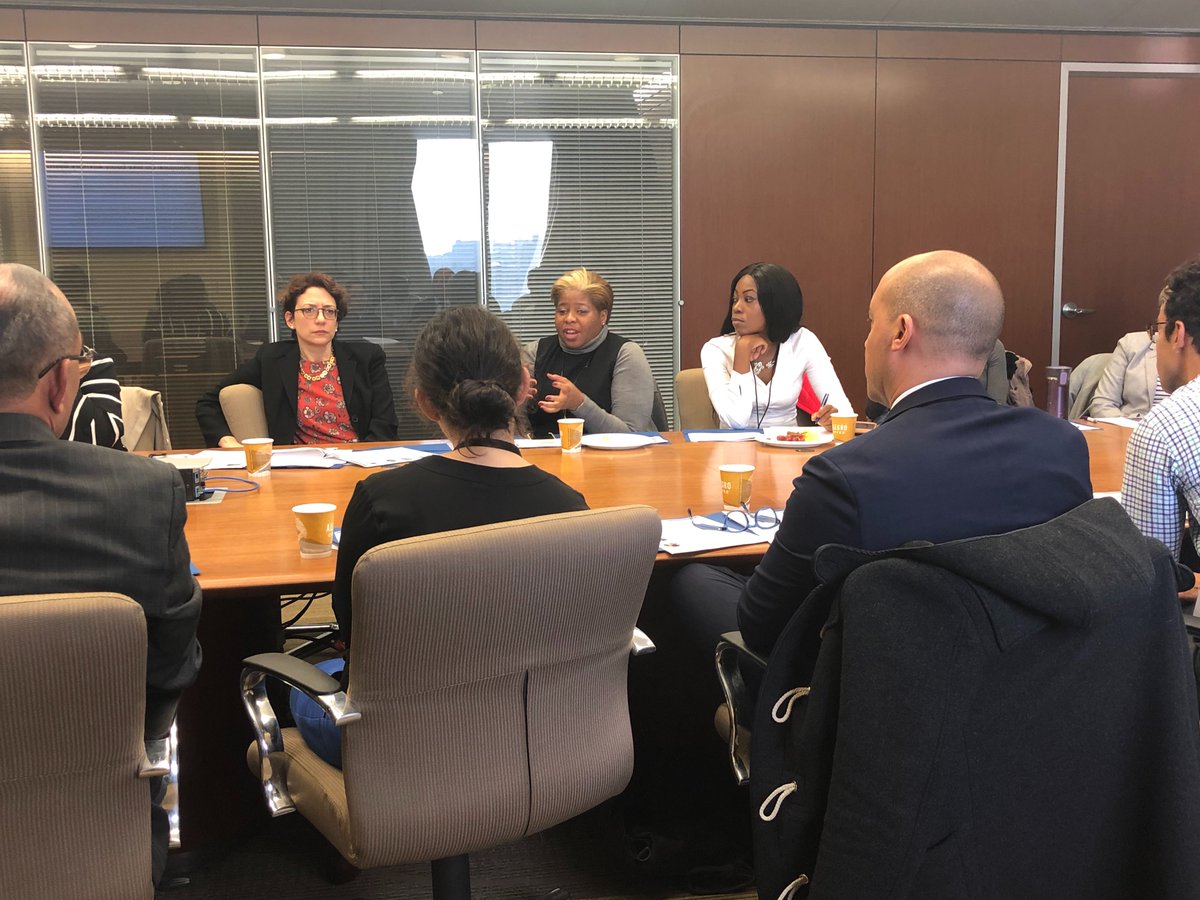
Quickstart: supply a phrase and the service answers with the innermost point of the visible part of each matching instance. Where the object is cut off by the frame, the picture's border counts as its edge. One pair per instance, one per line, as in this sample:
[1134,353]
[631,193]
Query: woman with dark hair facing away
[755,369]
[586,371]
[467,375]
[316,389]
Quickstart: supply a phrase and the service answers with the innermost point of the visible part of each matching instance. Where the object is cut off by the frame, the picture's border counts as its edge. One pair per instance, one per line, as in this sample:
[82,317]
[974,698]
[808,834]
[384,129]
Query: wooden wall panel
[966,159]
[1146,48]
[12,25]
[752,41]
[775,165]
[581,37]
[366,31]
[140,27]
[969,45]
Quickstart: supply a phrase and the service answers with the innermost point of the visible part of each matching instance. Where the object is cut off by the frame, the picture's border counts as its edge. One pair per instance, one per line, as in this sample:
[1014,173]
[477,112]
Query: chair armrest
[641,644]
[157,761]
[306,677]
[731,654]
[267,734]
[161,760]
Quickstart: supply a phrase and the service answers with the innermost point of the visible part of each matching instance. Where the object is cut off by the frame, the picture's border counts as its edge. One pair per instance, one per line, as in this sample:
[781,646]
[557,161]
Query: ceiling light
[225,121]
[100,119]
[168,73]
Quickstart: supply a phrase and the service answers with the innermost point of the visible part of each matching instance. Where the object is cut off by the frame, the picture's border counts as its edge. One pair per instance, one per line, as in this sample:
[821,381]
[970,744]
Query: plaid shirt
[1162,468]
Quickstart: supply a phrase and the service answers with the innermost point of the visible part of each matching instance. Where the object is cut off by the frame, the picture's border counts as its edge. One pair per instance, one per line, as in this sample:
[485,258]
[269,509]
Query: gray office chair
[692,405]
[74,805]
[242,406]
[490,704]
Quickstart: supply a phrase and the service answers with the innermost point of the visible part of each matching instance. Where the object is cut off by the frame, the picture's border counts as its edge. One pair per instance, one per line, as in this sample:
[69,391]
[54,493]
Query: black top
[275,370]
[591,372]
[439,494]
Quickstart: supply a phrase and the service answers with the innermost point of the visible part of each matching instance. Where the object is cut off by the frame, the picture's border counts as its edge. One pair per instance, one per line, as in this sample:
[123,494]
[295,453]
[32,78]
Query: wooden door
[1131,208]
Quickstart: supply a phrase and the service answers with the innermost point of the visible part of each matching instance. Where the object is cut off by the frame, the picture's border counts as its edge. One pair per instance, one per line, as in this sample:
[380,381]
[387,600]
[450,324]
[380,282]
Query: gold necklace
[325,370]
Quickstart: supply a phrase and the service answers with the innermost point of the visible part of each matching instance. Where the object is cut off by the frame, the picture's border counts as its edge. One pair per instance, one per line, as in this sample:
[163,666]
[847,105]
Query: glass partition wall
[152,209]
[180,187]
[579,159]
[373,166]
[18,204]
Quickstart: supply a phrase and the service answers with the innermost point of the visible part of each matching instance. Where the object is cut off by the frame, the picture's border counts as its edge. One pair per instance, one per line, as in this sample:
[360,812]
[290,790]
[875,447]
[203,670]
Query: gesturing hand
[568,396]
[528,386]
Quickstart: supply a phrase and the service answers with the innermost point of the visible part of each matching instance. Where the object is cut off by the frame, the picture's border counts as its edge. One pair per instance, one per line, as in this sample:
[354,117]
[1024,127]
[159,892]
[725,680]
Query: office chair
[1008,716]
[691,401]
[74,803]
[242,406]
[487,691]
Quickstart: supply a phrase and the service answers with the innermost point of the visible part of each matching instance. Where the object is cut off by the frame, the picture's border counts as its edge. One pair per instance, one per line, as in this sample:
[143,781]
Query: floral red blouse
[321,414]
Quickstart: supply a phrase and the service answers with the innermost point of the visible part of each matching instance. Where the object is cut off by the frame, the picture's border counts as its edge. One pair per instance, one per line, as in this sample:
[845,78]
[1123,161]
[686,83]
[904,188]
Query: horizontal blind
[607,184]
[18,206]
[152,196]
[374,178]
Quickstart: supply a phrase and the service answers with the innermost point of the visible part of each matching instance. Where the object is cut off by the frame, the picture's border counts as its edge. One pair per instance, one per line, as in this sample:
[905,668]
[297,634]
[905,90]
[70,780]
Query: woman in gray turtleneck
[585,370]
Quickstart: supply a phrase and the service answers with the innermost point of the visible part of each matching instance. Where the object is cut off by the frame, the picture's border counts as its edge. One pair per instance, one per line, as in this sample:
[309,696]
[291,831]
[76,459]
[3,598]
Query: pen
[825,399]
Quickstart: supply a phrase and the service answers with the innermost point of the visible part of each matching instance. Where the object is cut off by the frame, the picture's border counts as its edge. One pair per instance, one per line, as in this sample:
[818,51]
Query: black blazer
[275,370]
[947,462]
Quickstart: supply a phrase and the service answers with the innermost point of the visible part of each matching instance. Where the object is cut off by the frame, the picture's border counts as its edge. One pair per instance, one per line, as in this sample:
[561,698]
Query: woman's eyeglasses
[737,520]
[84,357]
[311,312]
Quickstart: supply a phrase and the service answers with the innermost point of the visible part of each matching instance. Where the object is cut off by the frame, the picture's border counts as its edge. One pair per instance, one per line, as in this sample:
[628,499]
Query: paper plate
[617,441]
[813,437]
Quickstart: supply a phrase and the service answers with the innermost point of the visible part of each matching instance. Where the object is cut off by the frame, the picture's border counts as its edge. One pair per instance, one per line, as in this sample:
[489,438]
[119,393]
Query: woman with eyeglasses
[316,389]
[755,369]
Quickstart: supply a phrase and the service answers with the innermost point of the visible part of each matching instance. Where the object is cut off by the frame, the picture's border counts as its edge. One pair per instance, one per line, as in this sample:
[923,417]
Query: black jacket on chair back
[998,717]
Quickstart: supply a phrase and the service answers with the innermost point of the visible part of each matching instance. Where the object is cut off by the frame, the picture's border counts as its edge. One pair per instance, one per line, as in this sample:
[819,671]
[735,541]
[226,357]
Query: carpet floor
[588,857]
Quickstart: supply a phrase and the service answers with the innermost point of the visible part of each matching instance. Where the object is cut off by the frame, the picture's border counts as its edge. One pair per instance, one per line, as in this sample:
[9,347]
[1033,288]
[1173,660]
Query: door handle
[1071,311]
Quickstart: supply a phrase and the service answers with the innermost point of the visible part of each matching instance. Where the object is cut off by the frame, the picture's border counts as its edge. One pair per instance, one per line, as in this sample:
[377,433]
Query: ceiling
[1065,15]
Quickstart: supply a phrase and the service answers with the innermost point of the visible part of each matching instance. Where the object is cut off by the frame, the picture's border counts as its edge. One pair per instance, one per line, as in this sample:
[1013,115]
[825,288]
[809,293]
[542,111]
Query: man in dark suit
[947,462]
[75,517]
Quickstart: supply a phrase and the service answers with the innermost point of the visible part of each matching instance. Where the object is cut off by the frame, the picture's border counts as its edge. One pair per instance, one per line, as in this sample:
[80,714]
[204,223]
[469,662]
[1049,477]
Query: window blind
[373,172]
[591,139]
[152,198]
[18,207]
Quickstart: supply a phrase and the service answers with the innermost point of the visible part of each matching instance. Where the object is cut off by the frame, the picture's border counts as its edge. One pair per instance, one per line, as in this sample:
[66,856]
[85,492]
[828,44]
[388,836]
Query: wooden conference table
[246,550]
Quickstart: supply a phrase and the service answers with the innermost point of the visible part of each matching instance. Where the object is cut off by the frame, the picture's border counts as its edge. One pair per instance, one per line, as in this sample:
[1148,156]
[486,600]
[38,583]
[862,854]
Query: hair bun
[481,403]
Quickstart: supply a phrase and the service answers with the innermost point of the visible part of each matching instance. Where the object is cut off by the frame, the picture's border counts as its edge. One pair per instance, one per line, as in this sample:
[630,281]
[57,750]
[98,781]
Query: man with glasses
[1162,461]
[75,517]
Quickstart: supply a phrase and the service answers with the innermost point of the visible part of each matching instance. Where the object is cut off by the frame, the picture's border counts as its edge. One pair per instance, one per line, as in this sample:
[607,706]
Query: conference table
[245,548]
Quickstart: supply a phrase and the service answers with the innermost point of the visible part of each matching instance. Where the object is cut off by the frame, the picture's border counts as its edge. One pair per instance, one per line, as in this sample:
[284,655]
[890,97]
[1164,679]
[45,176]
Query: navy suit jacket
[275,370]
[946,463]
